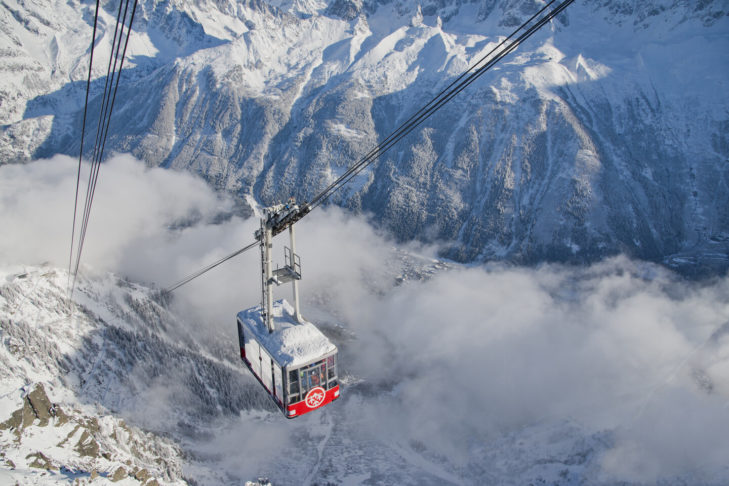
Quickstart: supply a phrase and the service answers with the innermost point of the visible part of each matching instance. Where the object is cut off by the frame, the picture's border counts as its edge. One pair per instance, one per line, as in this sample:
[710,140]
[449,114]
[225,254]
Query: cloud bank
[479,353]
[133,219]
[147,224]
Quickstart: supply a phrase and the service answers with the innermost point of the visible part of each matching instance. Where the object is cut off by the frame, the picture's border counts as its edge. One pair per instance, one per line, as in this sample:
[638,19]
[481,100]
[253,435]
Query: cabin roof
[292,343]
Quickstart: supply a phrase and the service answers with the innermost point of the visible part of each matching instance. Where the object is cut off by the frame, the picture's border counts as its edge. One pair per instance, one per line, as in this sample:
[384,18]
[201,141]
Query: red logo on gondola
[315,397]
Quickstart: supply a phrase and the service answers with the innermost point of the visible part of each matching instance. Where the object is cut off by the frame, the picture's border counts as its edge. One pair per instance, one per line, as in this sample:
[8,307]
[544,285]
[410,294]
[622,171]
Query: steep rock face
[606,132]
[77,445]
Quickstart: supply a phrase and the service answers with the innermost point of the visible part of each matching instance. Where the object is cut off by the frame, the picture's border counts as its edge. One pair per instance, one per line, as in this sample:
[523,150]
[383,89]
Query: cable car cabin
[295,363]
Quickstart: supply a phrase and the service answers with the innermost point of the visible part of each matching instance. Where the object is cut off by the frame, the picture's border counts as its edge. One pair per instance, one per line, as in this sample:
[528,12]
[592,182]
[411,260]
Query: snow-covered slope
[605,133]
[67,373]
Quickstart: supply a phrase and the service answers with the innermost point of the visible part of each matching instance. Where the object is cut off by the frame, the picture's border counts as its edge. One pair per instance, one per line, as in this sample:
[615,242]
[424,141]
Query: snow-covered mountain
[606,132]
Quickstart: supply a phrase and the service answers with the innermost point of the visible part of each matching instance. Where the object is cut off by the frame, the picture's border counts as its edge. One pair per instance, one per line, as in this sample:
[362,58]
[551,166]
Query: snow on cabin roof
[291,343]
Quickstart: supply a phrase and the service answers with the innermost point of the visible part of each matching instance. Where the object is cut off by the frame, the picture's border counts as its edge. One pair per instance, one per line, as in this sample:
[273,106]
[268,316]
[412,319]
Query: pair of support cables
[122,30]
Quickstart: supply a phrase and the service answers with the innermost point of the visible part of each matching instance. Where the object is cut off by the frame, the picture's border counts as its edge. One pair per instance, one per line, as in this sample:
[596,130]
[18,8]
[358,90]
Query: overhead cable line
[193,276]
[459,84]
[83,133]
[105,111]
[105,115]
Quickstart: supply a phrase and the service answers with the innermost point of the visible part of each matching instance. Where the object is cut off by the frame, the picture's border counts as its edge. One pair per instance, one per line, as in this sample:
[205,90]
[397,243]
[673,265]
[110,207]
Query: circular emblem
[315,397]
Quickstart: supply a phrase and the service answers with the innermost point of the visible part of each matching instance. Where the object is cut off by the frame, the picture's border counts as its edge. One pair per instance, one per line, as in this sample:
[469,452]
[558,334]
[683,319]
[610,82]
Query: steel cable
[425,108]
[105,111]
[83,133]
[103,114]
[193,276]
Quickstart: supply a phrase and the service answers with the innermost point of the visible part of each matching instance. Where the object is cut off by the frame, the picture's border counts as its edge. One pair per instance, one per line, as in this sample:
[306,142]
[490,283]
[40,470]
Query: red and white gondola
[296,364]
[290,357]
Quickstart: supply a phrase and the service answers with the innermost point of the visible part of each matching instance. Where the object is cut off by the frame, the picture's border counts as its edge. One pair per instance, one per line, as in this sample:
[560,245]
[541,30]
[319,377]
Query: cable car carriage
[290,357]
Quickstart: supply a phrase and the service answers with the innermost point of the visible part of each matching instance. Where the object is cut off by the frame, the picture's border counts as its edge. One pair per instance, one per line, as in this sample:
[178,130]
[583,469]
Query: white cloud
[475,353]
[133,209]
[151,225]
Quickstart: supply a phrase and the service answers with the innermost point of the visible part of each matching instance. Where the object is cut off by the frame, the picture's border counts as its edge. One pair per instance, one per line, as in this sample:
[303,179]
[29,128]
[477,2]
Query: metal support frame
[295,281]
[271,224]
[267,277]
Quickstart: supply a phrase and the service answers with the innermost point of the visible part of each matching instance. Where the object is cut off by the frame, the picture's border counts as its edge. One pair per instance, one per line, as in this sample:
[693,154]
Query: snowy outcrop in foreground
[605,133]
[41,440]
